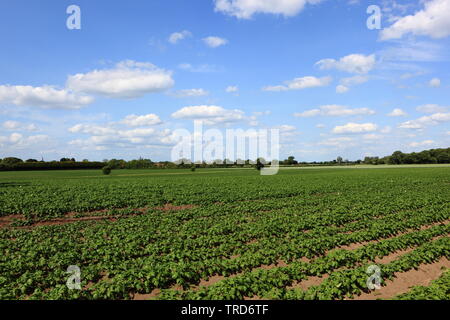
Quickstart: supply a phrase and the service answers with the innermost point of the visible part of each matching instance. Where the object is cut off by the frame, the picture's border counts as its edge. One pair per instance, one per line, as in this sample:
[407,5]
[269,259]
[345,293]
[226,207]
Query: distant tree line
[433,156]
[16,164]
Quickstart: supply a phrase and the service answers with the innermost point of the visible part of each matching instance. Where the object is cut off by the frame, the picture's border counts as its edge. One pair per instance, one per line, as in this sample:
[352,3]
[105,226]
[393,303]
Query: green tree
[259,164]
[10,161]
[106,170]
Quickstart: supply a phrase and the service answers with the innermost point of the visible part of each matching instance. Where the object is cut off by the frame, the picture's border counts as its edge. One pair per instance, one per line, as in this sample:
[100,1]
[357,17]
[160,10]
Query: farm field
[226,233]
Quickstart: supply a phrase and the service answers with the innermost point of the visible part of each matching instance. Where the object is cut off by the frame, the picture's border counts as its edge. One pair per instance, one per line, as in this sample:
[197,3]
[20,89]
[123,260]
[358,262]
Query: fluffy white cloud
[422,143]
[232,89]
[423,122]
[355,128]
[433,20]
[214,42]
[210,114]
[351,81]
[397,113]
[287,131]
[18,126]
[353,63]
[106,136]
[133,120]
[129,79]
[186,93]
[46,97]
[177,36]
[341,89]
[245,9]
[301,83]
[92,129]
[431,108]
[17,140]
[334,111]
[435,83]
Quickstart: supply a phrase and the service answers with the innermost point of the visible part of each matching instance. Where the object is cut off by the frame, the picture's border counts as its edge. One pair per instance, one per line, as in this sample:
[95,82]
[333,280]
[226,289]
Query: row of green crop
[52,198]
[272,283]
[348,283]
[254,224]
[149,245]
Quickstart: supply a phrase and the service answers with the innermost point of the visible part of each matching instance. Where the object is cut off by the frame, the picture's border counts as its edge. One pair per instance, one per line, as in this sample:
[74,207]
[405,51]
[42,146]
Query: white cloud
[232,89]
[287,131]
[409,51]
[353,63]
[341,89]
[133,120]
[433,21]
[187,93]
[92,129]
[18,126]
[17,140]
[431,108]
[177,36]
[45,97]
[214,42]
[334,111]
[422,143]
[423,122]
[245,9]
[397,113]
[129,79]
[301,83]
[204,68]
[435,83]
[210,114]
[346,83]
[106,136]
[355,80]
[355,128]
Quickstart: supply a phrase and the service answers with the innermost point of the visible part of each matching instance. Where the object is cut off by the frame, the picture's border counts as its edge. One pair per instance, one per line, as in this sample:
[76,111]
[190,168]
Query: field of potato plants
[226,234]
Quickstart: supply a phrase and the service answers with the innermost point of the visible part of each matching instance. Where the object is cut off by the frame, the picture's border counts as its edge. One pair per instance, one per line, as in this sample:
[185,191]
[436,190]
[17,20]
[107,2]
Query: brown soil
[311,281]
[405,280]
[7,220]
[69,220]
[147,296]
[211,280]
[393,256]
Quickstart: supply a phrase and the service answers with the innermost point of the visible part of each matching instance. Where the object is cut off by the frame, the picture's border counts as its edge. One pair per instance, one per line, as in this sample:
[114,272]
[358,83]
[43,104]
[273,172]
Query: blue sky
[138,70]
